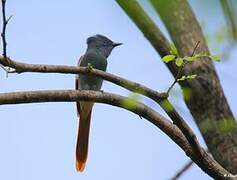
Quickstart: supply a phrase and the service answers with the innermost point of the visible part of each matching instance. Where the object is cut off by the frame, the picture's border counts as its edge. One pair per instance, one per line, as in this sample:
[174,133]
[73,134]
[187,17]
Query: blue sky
[38,140]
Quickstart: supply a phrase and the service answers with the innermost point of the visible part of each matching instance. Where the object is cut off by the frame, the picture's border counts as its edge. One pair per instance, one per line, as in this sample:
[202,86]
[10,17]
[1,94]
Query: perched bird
[98,49]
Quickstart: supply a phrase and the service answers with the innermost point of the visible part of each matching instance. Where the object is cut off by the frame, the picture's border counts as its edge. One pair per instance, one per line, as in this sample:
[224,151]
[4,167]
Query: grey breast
[98,62]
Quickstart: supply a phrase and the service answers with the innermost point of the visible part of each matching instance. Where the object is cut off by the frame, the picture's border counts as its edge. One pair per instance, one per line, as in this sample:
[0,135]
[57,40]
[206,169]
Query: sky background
[38,140]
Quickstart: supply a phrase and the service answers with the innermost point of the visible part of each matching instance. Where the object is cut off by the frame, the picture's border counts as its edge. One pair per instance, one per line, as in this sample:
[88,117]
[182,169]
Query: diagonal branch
[100,97]
[230,17]
[184,35]
[116,100]
[161,44]
[182,170]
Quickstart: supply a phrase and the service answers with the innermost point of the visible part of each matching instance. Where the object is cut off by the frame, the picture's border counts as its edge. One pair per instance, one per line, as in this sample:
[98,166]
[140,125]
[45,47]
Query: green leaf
[193,76]
[179,62]
[215,58]
[189,59]
[201,55]
[188,77]
[168,58]
[173,50]
[182,78]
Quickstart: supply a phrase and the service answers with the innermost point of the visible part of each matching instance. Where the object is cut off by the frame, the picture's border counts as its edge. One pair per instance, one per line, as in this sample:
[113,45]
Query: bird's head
[103,44]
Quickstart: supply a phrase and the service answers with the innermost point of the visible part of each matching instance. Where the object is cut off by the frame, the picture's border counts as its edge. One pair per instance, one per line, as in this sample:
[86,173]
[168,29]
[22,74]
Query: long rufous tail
[82,140]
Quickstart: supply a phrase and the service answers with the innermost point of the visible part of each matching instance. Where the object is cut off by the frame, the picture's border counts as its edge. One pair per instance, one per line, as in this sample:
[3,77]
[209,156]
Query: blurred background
[38,140]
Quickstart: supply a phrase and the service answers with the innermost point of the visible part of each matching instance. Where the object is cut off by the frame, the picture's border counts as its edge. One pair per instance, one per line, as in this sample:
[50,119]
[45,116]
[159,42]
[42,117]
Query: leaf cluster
[182,61]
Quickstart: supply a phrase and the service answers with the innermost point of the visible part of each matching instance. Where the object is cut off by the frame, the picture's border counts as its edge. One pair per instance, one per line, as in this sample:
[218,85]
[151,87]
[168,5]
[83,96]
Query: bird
[98,50]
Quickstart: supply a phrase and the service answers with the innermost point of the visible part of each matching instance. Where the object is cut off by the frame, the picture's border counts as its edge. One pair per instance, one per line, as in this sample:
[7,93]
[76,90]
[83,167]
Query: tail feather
[80,165]
[82,141]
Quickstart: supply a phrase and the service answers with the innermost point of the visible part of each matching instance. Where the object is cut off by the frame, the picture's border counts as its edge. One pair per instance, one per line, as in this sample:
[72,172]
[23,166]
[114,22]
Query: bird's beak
[116,44]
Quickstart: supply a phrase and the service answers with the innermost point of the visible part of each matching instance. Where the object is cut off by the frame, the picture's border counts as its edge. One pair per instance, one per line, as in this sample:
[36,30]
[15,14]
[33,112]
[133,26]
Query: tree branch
[5,21]
[230,17]
[146,25]
[63,69]
[159,42]
[100,97]
[149,29]
[182,170]
[3,34]
[116,100]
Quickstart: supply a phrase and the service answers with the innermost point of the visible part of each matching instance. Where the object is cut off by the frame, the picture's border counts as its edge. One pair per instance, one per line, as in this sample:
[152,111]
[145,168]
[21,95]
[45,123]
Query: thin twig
[185,168]
[182,170]
[4,26]
[195,48]
[5,21]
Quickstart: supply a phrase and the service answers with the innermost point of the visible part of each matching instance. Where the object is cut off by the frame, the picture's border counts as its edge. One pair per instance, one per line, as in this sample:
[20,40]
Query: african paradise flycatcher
[98,49]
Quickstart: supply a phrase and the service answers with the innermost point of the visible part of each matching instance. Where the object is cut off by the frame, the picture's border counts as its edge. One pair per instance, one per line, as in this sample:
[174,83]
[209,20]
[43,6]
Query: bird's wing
[84,113]
[77,84]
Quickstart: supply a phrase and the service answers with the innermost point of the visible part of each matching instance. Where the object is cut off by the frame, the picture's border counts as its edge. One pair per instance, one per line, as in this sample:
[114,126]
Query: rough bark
[208,104]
